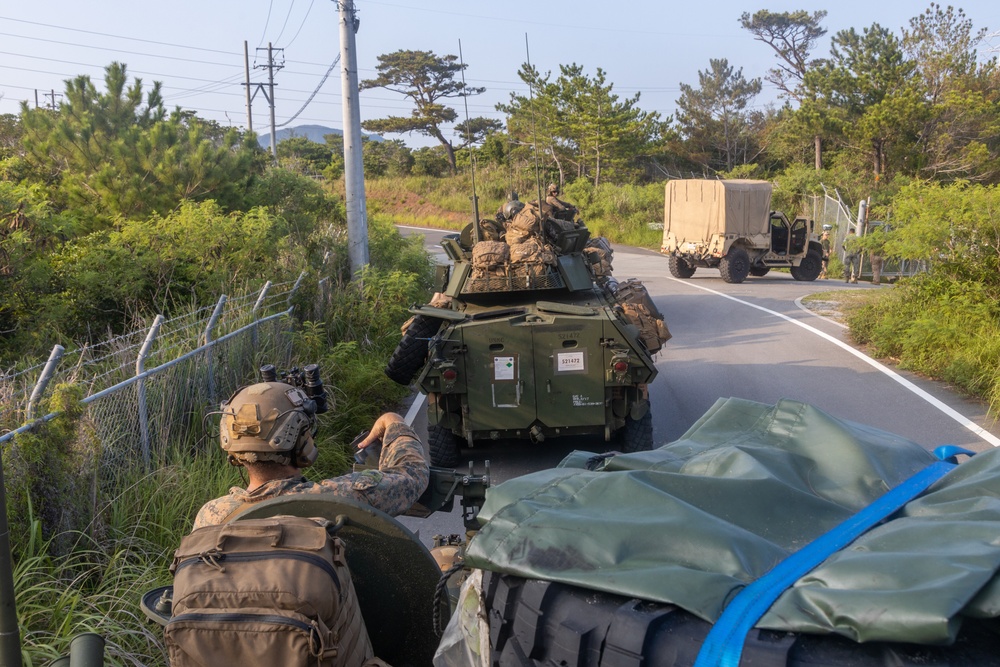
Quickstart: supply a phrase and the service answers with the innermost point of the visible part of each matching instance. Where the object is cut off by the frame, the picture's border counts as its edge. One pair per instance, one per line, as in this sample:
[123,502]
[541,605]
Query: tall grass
[944,329]
[622,213]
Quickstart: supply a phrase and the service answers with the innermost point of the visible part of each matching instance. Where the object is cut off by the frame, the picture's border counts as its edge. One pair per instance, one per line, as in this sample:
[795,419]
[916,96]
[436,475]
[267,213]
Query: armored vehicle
[729,225]
[535,339]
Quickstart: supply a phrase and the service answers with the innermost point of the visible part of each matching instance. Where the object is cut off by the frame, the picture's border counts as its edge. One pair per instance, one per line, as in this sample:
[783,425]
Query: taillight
[620,366]
[449,374]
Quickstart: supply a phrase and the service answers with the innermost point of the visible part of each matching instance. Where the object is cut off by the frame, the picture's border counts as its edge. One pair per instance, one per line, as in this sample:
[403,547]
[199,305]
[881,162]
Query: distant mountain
[311,132]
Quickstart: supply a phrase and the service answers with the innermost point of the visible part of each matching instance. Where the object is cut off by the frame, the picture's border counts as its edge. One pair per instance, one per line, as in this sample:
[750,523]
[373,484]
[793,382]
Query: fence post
[256,307]
[140,368]
[43,380]
[209,352]
[10,634]
[295,288]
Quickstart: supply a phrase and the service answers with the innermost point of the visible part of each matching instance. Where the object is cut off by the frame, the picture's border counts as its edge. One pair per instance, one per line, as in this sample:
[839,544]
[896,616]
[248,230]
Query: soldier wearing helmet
[560,209]
[268,427]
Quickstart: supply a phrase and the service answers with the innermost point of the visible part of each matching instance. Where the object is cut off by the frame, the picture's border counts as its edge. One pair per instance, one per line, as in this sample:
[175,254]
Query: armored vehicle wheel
[443,445]
[809,268]
[535,623]
[636,435]
[735,266]
[679,268]
[759,271]
[411,352]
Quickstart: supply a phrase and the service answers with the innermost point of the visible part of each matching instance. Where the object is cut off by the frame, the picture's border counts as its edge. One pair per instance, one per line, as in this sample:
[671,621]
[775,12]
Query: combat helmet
[269,421]
[511,208]
[553,189]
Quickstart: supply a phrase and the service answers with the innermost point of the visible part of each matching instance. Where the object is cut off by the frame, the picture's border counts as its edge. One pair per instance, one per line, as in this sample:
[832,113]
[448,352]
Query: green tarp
[694,521]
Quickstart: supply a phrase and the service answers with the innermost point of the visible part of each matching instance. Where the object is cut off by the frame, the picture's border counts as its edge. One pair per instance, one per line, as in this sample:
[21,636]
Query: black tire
[443,445]
[679,268]
[411,352]
[809,268]
[536,623]
[735,266]
[635,436]
[758,271]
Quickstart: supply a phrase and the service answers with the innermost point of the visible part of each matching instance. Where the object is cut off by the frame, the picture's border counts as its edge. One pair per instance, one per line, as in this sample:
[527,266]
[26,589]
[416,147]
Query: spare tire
[411,352]
[535,623]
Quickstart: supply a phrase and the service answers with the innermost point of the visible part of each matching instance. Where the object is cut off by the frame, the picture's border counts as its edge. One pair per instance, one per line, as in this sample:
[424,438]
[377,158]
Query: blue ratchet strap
[723,646]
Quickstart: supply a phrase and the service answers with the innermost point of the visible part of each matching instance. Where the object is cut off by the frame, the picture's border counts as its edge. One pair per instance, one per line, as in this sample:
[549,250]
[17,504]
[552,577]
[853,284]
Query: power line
[301,25]
[281,32]
[267,22]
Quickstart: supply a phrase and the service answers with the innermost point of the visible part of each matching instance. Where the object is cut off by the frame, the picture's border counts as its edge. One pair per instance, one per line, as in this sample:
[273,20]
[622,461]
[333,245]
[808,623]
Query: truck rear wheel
[679,268]
[735,266]
[535,623]
[443,445]
[809,268]
[411,352]
[636,435]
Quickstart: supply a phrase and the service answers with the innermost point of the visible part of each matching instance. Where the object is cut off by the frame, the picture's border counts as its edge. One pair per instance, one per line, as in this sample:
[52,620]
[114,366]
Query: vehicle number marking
[568,362]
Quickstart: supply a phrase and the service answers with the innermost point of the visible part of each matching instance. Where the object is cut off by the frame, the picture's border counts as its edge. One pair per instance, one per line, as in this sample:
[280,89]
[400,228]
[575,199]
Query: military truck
[729,225]
[532,344]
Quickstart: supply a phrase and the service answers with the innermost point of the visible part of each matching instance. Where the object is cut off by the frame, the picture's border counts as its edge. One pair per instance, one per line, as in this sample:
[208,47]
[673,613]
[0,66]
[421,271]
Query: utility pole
[246,71]
[354,175]
[269,91]
[52,95]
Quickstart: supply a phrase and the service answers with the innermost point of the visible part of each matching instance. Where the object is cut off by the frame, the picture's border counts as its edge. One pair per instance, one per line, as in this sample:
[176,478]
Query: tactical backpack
[264,592]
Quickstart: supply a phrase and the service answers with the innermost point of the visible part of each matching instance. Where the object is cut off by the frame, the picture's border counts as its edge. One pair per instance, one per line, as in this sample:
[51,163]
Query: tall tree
[873,81]
[713,118]
[118,152]
[960,138]
[793,36]
[580,121]
[426,79]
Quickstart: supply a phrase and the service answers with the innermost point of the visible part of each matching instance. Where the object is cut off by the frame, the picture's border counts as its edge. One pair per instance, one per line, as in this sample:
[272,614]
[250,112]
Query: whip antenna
[534,129]
[472,152]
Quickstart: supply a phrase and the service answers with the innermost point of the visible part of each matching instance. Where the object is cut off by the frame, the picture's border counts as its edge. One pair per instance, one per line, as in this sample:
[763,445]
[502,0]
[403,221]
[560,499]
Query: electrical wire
[301,25]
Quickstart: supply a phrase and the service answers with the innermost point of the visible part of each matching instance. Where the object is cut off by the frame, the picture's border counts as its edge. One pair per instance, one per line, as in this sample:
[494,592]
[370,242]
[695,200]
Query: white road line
[951,412]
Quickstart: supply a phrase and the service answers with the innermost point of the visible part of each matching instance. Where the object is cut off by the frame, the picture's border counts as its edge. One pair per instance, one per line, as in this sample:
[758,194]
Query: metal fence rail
[150,387]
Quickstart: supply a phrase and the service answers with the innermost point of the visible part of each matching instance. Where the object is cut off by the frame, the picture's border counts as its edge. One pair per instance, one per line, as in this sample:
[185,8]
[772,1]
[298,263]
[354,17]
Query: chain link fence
[149,388]
[830,209]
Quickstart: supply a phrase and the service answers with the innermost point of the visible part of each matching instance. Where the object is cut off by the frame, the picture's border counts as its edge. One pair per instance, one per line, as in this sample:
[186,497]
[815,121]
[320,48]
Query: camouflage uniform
[393,488]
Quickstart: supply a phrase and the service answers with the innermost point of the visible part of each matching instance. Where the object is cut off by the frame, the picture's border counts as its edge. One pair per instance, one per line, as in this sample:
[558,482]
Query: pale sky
[196,48]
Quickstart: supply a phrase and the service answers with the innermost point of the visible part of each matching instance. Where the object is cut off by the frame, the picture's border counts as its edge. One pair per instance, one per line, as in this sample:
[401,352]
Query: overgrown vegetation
[112,210]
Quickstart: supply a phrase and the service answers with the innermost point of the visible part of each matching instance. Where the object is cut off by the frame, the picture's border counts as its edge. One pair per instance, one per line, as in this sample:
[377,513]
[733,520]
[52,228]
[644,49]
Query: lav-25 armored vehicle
[729,225]
[536,339]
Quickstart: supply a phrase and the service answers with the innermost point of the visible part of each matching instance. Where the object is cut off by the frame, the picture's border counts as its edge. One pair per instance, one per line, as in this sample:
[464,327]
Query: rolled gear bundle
[490,255]
[490,258]
[516,236]
[531,251]
[633,291]
[653,332]
[526,221]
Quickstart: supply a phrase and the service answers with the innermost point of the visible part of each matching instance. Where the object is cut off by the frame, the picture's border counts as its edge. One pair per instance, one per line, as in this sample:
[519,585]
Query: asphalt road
[753,341]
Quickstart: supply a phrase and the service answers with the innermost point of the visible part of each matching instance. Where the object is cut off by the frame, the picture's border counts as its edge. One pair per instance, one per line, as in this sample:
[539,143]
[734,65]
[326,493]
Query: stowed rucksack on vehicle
[265,592]
[639,309]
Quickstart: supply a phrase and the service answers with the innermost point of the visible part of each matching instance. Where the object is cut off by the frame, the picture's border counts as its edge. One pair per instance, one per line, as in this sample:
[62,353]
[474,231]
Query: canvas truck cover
[693,522]
[695,210]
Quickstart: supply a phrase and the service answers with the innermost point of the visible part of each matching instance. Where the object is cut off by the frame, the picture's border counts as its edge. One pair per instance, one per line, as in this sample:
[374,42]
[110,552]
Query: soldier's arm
[402,474]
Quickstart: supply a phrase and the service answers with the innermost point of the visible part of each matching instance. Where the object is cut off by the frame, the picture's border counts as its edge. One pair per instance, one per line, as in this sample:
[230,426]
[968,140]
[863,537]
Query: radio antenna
[472,151]
[534,129]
